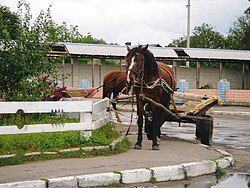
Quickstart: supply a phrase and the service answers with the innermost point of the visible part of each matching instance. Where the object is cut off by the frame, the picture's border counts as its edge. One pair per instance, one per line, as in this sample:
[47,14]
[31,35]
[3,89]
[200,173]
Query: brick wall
[238,95]
[231,94]
[202,92]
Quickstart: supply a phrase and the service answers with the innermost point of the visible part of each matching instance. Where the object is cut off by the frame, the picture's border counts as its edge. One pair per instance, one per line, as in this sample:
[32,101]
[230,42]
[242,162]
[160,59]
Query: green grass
[152,178]
[45,118]
[44,142]
[19,159]
[40,142]
[122,146]
[220,172]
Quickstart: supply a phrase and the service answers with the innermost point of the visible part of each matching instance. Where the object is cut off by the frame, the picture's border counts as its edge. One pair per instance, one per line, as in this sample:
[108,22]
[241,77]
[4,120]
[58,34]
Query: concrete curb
[25,184]
[229,113]
[156,174]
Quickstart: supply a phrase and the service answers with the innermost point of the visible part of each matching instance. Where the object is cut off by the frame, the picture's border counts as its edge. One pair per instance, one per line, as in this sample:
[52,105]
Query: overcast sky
[138,21]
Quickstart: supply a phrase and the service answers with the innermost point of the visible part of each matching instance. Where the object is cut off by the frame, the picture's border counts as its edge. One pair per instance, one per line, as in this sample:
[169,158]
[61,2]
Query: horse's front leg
[138,144]
[156,131]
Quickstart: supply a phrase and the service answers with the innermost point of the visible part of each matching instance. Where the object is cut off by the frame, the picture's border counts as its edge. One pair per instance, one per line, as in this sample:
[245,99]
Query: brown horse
[113,83]
[153,81]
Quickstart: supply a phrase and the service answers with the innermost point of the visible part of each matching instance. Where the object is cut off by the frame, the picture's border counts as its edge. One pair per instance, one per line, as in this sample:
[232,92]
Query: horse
[114,82]
[152,81]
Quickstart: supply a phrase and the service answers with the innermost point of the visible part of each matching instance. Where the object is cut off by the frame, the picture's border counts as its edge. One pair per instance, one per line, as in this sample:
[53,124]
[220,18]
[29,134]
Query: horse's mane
[150,65]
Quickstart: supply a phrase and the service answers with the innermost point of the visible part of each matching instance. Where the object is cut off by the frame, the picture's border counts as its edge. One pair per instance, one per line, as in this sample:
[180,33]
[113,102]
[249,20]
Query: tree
[72,34]
[23,53]
[239,33]
[203,36]
[9,24]
[180,42]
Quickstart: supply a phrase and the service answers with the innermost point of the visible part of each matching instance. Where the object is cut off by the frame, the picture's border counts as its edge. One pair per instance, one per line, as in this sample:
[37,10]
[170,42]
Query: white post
[86,117]
[188,28]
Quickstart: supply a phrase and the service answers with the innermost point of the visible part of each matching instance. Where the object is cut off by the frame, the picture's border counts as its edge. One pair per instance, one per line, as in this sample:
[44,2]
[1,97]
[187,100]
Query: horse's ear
[145,48]
[128,49]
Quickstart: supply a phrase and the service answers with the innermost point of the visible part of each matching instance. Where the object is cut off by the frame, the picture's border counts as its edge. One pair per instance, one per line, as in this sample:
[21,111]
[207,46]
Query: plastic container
[222,86]
[84,84]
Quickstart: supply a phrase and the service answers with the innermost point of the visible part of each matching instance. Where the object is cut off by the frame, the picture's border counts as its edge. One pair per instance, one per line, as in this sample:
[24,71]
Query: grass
[41,142]
[45,118]
[152,178]
[220,172]
[19,159]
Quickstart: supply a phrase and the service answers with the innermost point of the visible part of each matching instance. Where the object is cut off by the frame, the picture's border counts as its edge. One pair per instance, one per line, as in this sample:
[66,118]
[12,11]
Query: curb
[156,174]
[229,113]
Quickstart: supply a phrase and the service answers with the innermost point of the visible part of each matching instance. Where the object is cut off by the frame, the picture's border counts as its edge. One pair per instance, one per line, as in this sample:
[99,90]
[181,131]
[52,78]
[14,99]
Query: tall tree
[203,36]
[239,33]
[23,51]
[9,24]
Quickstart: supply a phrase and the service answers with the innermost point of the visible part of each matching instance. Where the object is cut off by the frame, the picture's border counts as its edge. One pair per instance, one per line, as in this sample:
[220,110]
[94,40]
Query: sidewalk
[172,152]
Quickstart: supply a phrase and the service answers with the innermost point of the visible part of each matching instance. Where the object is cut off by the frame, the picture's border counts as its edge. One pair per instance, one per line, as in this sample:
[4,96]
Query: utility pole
[188,28]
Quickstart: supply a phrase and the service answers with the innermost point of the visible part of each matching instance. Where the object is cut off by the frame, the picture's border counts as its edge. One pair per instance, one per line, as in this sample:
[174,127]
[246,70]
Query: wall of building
[210,76]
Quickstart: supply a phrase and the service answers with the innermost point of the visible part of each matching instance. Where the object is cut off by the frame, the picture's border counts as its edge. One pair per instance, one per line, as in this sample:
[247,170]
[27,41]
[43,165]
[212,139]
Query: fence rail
[92,115]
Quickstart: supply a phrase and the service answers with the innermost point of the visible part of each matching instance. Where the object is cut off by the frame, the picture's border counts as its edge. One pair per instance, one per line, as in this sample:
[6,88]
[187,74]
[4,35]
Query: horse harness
[151,85]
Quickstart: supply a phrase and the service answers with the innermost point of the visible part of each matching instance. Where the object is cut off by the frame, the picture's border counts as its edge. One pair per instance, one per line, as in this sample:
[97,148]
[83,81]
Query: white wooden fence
[93,115]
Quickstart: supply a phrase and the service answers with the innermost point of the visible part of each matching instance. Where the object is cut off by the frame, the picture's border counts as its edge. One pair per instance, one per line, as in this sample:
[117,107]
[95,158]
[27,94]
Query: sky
[138,21]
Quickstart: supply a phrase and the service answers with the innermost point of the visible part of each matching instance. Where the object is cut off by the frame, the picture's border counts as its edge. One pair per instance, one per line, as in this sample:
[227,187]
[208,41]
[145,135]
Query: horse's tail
[104,91]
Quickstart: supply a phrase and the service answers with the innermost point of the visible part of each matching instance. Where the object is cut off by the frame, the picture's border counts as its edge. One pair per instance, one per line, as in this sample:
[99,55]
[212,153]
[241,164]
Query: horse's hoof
[155,148]
[137,146]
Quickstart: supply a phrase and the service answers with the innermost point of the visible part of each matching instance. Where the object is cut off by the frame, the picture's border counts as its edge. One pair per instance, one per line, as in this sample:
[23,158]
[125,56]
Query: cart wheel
[206,130]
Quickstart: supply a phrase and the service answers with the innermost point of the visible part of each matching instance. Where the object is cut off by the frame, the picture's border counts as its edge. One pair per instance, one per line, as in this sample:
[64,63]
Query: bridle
[139,74]
[138,81]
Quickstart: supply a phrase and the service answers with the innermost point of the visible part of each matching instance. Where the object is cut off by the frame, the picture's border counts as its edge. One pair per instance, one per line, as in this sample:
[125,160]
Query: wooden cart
[193,110]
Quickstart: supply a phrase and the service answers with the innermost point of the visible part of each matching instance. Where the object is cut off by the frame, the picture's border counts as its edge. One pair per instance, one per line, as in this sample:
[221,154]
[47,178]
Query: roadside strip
[158,174]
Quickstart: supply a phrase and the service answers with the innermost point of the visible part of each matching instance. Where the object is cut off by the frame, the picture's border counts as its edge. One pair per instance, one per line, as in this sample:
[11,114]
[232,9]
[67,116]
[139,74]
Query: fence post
[86,117]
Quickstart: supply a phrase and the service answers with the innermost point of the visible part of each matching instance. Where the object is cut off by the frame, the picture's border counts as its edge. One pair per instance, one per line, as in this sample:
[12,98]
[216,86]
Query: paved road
[233,131]
[230,130]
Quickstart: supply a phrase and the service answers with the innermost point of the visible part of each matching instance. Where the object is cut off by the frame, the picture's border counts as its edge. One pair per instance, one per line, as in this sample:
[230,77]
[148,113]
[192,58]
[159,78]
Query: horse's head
[135,59]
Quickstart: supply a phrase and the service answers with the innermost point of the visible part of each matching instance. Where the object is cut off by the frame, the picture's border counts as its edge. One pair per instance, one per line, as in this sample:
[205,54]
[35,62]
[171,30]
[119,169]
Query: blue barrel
[84,84]
[182,87]
[222,86]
